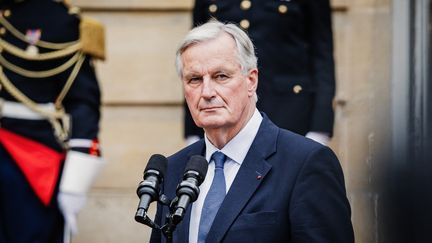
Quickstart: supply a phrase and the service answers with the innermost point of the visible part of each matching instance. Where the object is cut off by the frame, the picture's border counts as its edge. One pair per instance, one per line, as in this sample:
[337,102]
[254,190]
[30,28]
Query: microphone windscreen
[199,164]
[157,162]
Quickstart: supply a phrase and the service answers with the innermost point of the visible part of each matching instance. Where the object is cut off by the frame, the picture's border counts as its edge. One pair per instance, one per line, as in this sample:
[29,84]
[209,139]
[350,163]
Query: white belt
[81,143]
[19,111]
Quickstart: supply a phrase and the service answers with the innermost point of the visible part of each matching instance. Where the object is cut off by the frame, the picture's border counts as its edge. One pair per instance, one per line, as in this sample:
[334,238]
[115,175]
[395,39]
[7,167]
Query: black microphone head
[199,164]
[157,162]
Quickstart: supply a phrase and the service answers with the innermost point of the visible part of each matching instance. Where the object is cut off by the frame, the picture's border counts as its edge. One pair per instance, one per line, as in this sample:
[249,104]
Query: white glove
[320,137]
[70,204]
[79,172]
[191,139]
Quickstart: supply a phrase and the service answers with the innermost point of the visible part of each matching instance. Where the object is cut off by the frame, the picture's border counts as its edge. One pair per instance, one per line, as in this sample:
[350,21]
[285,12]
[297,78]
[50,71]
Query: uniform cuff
[79,172]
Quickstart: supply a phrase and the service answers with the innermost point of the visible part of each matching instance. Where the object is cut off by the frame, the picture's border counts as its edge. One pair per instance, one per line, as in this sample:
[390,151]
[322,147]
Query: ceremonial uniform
[294,45]
[49,115]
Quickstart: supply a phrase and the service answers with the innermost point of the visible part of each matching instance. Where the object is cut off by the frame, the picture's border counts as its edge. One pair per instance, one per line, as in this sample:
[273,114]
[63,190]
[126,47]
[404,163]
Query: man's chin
[210,123]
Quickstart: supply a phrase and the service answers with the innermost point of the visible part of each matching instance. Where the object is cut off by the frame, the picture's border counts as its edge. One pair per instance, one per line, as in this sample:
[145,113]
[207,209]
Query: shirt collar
[237,148]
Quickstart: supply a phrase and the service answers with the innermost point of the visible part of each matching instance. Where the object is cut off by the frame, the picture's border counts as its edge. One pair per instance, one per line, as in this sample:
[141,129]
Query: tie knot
[219,159]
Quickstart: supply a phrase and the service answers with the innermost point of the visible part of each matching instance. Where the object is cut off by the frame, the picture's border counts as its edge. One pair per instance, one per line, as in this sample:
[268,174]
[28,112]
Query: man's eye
[221,77]
[194,80]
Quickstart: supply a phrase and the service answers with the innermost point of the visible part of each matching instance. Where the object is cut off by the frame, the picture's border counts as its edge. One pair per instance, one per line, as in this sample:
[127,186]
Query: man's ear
[252,79]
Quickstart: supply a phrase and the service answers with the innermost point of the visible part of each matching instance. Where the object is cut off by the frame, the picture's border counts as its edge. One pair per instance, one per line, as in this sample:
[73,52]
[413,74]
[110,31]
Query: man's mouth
[210,108]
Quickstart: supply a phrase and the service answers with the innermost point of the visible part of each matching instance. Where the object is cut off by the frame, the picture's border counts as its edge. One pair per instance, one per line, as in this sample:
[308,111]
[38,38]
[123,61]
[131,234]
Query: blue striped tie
[214,198]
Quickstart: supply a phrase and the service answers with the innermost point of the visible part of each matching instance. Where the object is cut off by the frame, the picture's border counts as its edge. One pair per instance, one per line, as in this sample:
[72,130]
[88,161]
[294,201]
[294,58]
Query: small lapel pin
[259,176]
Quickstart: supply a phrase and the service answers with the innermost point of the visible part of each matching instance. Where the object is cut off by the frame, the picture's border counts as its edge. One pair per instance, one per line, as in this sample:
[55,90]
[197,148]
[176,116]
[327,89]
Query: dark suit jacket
[288,189]
[295,53]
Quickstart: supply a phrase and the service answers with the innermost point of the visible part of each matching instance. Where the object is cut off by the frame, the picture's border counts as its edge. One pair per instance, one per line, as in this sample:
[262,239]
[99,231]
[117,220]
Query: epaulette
[92,37]
[92,33]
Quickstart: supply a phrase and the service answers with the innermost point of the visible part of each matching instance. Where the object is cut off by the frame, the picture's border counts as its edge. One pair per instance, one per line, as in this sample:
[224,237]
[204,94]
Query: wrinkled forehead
[209,58]
[223,46]
[221,37]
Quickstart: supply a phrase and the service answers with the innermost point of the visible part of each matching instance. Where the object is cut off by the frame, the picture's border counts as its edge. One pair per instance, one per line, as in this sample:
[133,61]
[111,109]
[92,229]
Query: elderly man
[294,45]
[264,184]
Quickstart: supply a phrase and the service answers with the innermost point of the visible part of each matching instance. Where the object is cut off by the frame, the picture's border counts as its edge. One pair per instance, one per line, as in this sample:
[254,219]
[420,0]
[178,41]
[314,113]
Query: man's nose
[208,88]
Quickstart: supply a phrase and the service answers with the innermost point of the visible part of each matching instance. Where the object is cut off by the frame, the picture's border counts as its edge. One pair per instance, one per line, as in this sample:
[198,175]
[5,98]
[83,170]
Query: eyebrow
[191,74]
[217,69]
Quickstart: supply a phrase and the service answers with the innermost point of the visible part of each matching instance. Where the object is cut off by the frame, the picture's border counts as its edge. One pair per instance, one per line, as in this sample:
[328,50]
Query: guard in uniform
[294,45]
[49,118]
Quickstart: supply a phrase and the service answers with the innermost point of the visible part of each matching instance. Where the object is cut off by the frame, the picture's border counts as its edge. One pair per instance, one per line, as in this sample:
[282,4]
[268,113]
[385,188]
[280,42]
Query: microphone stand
[172,218]
[168,229]
[141,217]
[187,192]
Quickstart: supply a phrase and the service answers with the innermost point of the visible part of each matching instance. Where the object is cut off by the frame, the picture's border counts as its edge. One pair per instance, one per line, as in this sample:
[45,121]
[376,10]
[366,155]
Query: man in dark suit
[264,183]
[49,115]
[294,46]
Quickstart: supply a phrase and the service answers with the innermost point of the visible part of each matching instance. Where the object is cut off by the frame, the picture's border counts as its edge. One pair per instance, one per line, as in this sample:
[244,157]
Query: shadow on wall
[407,200]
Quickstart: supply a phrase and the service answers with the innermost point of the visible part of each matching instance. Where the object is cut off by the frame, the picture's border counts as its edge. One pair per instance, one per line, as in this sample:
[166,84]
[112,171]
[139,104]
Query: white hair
[213,29]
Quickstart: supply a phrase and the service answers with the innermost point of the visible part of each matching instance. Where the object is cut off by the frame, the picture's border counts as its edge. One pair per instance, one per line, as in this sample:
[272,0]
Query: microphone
[188,190]
[148,189]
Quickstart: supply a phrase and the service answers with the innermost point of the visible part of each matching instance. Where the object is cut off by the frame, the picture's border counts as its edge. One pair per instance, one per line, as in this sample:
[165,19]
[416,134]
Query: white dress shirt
[236,151]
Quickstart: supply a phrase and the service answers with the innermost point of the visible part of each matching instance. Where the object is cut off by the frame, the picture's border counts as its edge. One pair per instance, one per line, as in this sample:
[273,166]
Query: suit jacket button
[6,13]
[244,24]
[74,10]
[297,89]
[2,31]
[282,9]
[213,8]
[245,4]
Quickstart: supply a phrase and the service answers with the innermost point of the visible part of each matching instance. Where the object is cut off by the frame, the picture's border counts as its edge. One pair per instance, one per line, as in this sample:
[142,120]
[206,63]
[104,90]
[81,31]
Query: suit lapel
[183,228]
[252,172]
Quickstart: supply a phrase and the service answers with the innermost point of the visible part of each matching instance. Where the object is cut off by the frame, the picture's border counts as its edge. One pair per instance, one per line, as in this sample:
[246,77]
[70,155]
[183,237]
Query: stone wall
[142,112]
